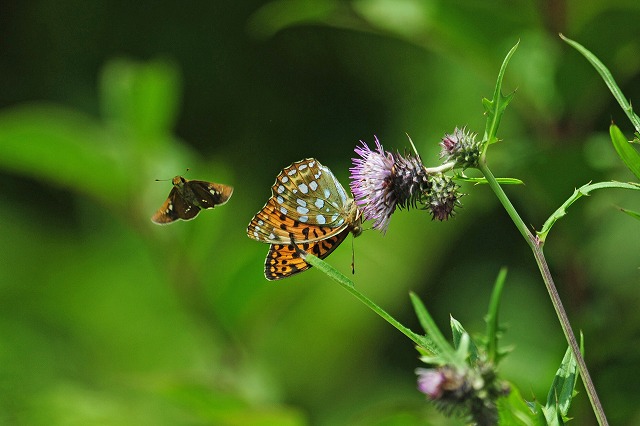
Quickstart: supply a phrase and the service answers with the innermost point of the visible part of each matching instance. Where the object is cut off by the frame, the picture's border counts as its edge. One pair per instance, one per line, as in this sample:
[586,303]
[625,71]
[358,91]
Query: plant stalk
[541,261]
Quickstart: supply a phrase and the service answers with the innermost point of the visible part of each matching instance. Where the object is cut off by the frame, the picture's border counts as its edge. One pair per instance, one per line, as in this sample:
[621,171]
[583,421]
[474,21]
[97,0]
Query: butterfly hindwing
[175,207]
[283,260]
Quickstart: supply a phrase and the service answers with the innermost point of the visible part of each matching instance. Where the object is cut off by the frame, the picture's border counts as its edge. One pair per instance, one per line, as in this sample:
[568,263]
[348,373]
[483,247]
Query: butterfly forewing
[283,260]
[209,194]
[307,203]
[188,197]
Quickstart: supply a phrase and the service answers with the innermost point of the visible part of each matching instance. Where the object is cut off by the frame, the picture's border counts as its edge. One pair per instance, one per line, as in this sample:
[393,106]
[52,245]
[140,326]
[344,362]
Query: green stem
[417,339]
[536,247]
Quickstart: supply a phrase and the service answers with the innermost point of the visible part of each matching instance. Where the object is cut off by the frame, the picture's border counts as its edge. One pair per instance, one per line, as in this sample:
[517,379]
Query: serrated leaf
[578,193]
[608,79]
[627,153]
[562,389]
[514,410]
[495,107]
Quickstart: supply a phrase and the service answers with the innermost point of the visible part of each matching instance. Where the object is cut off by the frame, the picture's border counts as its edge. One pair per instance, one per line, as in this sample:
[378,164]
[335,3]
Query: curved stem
[536,247]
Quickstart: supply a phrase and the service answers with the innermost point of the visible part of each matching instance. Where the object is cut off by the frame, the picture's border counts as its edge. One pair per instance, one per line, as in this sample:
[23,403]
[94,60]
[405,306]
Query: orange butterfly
[309,208]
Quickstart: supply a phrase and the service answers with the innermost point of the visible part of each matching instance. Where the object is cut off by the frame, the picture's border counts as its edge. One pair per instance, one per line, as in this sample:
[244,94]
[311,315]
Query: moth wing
[174,208]
[210,194]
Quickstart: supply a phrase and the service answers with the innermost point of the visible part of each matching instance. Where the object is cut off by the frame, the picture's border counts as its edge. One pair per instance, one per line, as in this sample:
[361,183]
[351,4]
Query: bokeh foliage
[106,318]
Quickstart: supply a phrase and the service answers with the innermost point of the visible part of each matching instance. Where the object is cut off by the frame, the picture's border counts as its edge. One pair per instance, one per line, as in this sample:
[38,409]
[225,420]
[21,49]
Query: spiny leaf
[583,190]
[495,107]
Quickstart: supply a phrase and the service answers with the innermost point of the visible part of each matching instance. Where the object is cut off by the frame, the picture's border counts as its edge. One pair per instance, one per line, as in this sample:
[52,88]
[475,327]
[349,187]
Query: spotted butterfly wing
[188,197]
[309,208]
[175,207]
[307,202]
[283,260]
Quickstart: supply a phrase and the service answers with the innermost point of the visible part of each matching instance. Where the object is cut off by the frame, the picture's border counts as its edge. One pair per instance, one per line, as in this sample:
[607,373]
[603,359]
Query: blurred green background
[106,318]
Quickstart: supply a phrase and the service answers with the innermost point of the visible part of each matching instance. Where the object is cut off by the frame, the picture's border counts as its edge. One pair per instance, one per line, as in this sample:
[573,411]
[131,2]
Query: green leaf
[631,213]
[492,317]
[442,347]
[458,332]
[276,15]
[66,149]
[495,108]
[513,410]
[627,153]
[481,180]
[142,98]
[562,389]
[583,190]
[608,79]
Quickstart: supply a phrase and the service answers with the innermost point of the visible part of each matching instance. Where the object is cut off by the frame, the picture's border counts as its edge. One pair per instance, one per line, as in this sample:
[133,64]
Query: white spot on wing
[292,172]
[301,202]
[302,167]
[302,210]
[304,219]
[327,193]
[284,179]
[313,185]
[320,219]
[283,210]
[319,203]
[303,188]
[280,189]
[279,199]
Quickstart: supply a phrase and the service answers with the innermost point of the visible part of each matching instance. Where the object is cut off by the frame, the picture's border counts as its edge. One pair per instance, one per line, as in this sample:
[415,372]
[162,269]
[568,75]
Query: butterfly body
[308,208]
[188,197]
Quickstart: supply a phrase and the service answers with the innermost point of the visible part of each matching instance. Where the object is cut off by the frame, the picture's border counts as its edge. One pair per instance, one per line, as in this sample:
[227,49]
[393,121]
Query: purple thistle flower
[430,382]
[371,184]
[380,181]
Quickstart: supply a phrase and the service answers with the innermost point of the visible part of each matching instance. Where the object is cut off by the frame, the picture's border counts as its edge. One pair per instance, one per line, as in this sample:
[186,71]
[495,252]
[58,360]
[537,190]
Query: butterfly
[308,212]
[187,197]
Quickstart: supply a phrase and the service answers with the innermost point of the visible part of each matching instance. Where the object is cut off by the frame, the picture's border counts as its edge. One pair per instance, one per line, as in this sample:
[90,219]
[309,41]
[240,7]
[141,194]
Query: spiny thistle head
[382,181]
[471,392]
[461,147]
[443,197]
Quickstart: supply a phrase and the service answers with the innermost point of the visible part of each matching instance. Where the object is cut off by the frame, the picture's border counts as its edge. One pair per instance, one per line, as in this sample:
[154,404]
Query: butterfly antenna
[164,180]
